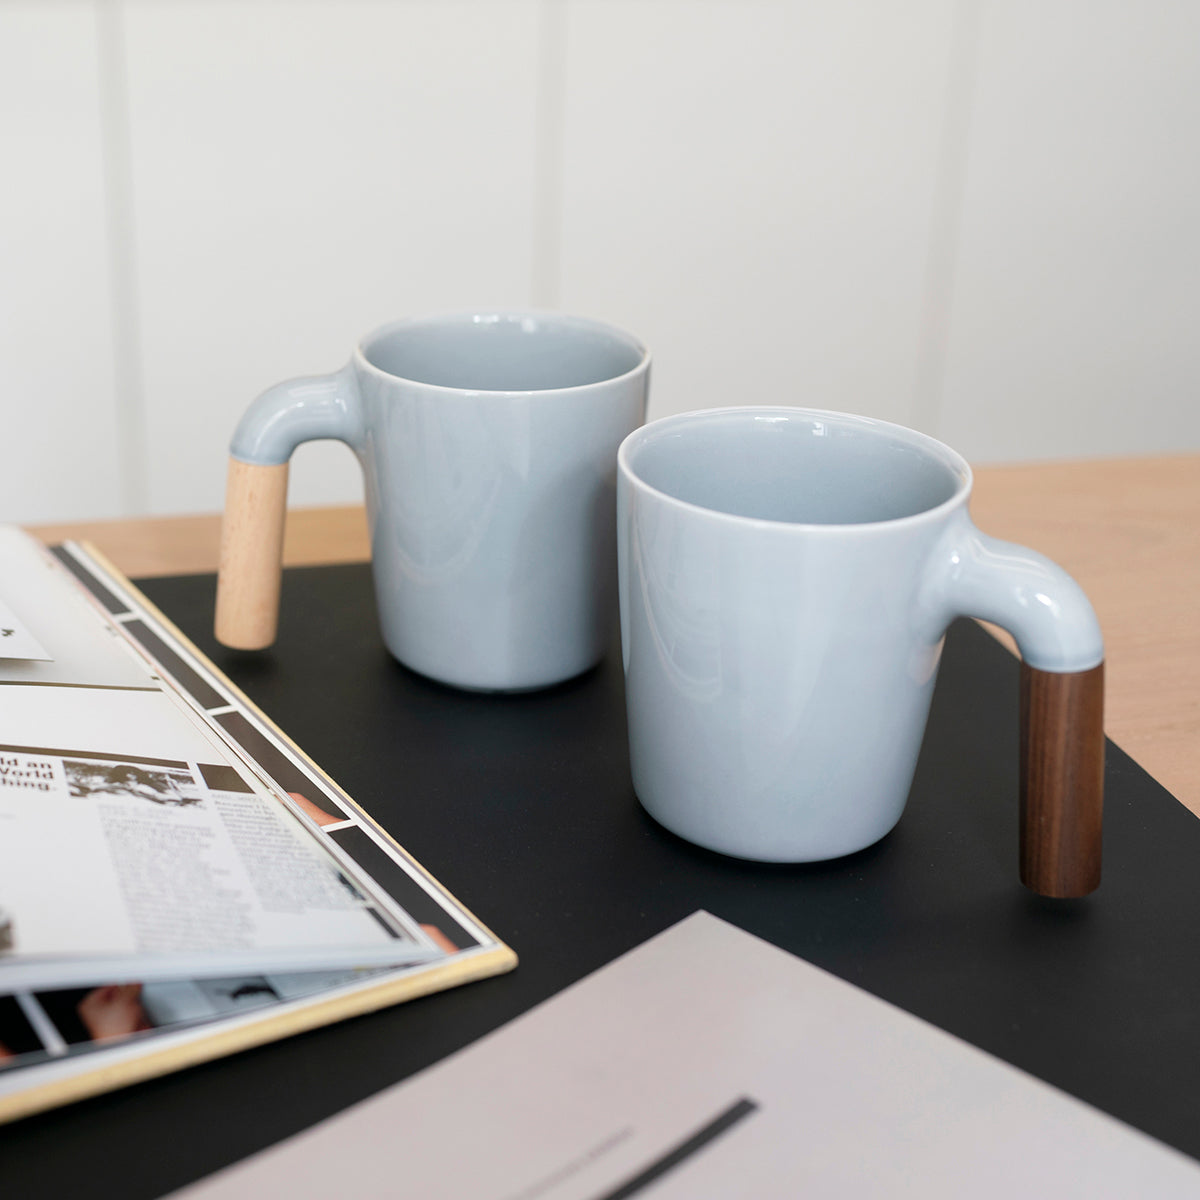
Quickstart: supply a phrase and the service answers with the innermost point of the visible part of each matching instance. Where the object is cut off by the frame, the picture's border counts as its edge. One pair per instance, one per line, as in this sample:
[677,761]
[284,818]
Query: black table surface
[523,807]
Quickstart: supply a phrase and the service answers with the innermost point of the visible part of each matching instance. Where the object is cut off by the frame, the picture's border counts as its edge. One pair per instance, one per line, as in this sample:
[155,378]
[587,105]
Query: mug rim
[948,456]
[614,332]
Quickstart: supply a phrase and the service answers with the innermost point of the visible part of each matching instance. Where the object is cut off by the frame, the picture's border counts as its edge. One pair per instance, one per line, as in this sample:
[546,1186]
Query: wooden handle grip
[1062,780]
[251,563]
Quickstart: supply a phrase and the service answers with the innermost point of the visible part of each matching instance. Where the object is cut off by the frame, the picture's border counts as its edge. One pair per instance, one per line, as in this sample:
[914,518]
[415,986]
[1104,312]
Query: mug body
[488,448]
[779,657]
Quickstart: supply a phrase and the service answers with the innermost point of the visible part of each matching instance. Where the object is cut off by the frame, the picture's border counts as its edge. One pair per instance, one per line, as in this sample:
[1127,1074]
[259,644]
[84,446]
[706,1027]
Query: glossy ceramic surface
[488,444]
[786,580]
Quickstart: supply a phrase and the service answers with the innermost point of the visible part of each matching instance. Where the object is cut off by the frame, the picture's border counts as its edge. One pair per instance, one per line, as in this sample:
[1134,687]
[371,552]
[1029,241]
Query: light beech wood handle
[1062,780]
[251,563]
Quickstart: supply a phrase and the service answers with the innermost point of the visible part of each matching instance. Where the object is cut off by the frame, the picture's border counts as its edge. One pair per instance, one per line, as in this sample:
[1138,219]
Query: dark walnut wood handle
[1062,780]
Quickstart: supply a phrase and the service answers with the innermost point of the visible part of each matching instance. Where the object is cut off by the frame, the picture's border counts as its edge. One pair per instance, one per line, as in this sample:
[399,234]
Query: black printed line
[50,752]
[221,777]
[730,1117]
[373,860]
[388,928]
[200,690]
[112,602]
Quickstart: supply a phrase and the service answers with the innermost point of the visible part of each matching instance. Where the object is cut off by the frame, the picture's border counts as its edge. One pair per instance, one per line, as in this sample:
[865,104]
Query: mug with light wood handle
[488,445]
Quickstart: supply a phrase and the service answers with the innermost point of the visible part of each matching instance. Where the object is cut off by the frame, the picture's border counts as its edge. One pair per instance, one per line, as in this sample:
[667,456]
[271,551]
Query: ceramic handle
[251,563]
[1062,780]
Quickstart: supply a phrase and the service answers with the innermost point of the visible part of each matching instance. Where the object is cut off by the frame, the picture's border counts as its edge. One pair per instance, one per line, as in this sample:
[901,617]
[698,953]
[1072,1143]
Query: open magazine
[177,879]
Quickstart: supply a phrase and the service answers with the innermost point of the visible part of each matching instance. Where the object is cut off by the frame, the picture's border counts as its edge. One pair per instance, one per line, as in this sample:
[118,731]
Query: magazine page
[60,1043]
[134,842]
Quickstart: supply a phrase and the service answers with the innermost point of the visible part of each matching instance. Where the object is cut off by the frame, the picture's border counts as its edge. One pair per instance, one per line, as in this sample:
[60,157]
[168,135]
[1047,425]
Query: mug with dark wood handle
[488,442]
[786,580]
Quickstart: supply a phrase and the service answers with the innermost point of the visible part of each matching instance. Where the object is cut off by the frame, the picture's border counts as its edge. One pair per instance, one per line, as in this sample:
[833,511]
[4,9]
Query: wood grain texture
[149,547]
[250,568]
[1128,530]
[1062,780]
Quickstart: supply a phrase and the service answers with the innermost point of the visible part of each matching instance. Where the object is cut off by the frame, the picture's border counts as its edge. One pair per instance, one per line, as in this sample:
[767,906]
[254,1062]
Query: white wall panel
[784,199]
[303,172]
[1076,300]
[749,185]
[58,419]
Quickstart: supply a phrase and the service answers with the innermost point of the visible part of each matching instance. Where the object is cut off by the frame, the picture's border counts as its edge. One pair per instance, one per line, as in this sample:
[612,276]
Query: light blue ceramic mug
[488,444]
[786,579]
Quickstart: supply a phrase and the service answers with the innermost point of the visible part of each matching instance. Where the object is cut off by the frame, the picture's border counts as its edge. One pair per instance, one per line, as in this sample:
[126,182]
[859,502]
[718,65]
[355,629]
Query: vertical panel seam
[549,155]
[117,165]
[946,219]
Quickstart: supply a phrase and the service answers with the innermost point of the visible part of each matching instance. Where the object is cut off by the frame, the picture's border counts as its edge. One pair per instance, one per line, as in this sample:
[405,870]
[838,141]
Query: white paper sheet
[708,1063]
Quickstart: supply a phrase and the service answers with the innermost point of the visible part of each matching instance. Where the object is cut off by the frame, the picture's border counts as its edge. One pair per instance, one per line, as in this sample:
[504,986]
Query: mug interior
[503,352]
[795,466]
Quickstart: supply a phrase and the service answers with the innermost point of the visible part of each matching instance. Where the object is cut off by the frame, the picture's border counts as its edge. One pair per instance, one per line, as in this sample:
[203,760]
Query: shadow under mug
[488,445]
[786,580]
